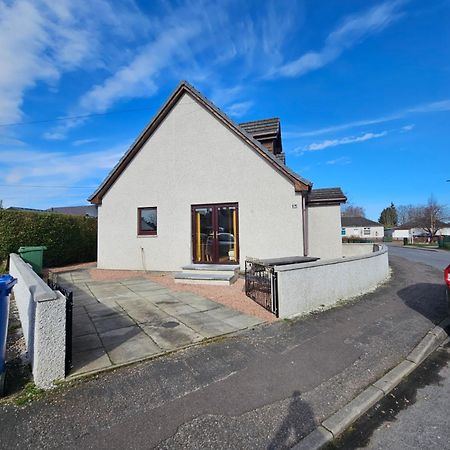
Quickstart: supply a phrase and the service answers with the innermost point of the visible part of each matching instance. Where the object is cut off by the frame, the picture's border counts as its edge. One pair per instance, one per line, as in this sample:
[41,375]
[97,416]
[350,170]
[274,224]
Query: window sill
[147,235]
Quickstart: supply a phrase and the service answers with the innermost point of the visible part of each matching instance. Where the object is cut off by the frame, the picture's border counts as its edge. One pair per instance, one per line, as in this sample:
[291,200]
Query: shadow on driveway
[427,299]
[291,431]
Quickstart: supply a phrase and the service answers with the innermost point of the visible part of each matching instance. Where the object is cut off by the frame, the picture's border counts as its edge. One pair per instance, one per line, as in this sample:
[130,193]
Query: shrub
[69,239]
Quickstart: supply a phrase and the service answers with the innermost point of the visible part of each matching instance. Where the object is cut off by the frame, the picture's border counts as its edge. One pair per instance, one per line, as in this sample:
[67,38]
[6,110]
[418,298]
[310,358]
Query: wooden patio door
[215,236]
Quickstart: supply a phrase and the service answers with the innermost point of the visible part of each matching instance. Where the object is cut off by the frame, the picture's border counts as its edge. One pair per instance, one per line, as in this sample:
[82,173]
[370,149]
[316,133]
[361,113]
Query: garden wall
[42,313]
[303,288]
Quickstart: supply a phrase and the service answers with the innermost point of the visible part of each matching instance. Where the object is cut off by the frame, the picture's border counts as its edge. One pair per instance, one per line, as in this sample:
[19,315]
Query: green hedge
[69,239]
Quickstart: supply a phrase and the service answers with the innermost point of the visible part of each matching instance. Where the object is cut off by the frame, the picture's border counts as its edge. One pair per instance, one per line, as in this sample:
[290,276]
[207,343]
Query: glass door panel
[227,234]
[203,235]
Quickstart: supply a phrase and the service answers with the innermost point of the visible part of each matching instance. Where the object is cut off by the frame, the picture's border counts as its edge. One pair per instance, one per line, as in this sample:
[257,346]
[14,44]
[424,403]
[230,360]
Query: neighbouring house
[85,210]
[361,228]
[412,229]
[197,188]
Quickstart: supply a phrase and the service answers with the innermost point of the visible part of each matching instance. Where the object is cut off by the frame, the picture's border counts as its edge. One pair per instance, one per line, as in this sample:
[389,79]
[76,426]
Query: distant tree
[407,213]
[431,217]
[353,211]
[388,216]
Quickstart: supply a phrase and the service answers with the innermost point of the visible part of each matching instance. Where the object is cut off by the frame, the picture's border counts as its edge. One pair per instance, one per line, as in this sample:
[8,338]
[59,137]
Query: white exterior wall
[349,250]
[192,158]
[303,288]
[375,232]
[400,234]
[324,231]
[42,315]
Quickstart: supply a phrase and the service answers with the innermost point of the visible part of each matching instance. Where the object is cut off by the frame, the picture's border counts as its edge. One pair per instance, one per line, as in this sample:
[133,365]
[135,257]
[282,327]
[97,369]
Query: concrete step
[223,269]
[200,277]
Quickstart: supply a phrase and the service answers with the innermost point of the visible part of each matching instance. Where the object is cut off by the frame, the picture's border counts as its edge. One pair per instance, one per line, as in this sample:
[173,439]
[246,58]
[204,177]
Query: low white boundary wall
[42,314]
[303,288]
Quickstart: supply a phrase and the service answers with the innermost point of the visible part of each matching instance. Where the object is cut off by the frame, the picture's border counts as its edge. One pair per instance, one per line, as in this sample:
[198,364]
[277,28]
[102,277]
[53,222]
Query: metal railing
[261,285]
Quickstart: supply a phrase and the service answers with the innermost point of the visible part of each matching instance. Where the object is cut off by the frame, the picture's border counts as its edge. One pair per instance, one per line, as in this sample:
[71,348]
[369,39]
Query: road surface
[436,258]
[414,416]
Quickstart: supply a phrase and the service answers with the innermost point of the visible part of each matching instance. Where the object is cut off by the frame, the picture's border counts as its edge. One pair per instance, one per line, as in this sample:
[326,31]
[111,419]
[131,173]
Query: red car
[447,282]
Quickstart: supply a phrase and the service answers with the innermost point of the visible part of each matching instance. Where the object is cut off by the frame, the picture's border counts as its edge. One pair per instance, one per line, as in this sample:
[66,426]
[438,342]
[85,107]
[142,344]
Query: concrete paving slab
[223,313]
[157,296]
[90,360]
[172,334]
[146,287]
[142,310]
[128,344]
[177,308]
[205,325]
[242,321]
[113,322]
[84,301]
[86,342]
[81,326]
[99,310]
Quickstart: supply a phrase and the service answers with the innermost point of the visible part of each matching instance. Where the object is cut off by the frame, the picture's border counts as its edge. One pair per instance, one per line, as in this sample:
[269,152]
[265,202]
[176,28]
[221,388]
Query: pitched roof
[19,208]
[85,210]
[262,128]
[326,196]
[358,222]
[419,224]
[300,184]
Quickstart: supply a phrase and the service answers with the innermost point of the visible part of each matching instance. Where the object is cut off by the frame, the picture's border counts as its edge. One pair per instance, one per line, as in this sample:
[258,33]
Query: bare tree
[407,213]
[431,216]
[350,210]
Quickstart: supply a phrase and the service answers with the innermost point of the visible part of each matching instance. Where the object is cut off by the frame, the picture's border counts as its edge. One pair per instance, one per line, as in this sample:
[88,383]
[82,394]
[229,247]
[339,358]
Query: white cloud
[439,106]
[137,78]
[342,161]
[195,41]
[54,136]
[408,127]
[79,142]
[353,29]
[316,146]
[35,186]
[426,108]
[238,109]
[42,39]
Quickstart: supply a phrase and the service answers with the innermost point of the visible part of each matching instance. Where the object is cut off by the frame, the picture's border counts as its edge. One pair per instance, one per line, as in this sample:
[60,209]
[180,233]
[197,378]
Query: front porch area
[131,317]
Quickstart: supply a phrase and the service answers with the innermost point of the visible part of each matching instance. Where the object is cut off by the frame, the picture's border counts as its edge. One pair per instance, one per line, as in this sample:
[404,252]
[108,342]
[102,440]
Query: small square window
[147,221]
[366,231]
[343,231]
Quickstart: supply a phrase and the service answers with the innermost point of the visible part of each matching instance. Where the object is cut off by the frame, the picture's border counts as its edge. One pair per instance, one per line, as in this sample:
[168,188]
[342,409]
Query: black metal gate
[69,318]
[261,285]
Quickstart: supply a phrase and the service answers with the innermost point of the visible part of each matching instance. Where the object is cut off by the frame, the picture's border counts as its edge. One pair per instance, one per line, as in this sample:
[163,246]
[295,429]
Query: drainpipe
[305,226]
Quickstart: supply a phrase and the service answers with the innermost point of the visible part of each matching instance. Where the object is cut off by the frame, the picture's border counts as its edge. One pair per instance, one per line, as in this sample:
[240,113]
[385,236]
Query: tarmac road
[436,258]
[414,416]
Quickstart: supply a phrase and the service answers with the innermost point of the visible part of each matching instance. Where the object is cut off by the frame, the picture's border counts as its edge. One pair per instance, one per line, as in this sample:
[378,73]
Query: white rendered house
[361,228]
[196,188]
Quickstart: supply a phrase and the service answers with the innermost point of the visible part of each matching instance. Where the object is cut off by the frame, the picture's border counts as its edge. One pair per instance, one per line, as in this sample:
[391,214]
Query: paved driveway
[117,322]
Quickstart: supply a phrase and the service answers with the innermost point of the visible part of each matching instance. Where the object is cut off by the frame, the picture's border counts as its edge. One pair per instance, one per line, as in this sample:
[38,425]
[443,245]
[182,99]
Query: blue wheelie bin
[6,284]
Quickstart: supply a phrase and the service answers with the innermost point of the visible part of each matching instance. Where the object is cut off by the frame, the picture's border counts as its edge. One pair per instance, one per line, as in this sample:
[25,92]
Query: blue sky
[362,88]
